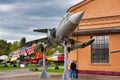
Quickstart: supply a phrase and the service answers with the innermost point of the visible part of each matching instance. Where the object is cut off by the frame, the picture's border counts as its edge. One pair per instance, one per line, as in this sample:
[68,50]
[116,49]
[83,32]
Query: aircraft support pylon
[66,73]
[44,73]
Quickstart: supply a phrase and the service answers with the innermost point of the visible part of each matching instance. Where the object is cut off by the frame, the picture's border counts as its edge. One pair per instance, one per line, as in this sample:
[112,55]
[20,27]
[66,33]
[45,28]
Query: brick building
[101,21]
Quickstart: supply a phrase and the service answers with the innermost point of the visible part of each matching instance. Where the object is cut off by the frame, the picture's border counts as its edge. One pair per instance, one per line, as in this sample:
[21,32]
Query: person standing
[73,70]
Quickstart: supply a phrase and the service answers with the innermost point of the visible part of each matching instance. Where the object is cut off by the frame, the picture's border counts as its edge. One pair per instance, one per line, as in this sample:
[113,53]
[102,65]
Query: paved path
[25,74]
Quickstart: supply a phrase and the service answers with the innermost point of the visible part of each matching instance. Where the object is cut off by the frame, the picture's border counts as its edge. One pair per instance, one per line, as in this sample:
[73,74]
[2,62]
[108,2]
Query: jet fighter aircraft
[56,36]
[57,58]
[14,56]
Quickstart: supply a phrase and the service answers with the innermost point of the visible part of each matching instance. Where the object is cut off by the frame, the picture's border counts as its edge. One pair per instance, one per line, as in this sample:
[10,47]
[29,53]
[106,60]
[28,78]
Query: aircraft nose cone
[75,18]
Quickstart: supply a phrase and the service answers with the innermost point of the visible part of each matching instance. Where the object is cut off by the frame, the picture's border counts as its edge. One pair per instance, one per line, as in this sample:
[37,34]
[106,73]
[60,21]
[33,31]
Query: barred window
[100,49]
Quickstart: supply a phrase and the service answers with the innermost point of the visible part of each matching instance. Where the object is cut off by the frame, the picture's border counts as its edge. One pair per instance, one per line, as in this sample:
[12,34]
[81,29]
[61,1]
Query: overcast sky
[18,18]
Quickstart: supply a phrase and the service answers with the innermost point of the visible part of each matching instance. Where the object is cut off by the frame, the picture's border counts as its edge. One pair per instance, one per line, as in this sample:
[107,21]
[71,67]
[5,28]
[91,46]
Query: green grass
[10,67]
[50,68]
[60,70]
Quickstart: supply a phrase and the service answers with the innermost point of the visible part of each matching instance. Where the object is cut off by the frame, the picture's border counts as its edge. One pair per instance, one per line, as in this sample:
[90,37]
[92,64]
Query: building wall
[115,57]
[83,57]
[73,55]
[98,14]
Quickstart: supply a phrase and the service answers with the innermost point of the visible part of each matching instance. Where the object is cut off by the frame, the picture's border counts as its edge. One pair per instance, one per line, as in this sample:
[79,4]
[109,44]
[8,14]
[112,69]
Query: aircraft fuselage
[65,29]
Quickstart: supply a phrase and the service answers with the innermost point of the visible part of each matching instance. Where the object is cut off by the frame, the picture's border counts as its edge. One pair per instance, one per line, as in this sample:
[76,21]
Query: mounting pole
[44,73]
[66,73]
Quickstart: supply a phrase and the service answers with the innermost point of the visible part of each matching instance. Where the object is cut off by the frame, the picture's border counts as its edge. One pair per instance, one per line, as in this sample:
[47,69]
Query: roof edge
[78,5]
[109,30]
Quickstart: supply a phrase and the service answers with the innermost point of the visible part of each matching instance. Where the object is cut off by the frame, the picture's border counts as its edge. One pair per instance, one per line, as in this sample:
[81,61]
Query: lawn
[10,67]
[60,70]
[50,68]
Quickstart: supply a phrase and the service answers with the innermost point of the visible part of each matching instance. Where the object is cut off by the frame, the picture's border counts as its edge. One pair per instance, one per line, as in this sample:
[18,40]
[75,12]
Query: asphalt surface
[25,74]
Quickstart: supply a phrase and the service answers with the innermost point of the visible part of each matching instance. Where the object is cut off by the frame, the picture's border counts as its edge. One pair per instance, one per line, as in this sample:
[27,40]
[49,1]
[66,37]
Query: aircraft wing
[37,40]
[41,30]
[76,44]
[14,58]
[7,59]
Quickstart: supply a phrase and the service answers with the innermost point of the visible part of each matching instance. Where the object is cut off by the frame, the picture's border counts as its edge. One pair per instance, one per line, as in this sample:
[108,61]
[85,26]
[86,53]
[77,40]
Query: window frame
[101,53]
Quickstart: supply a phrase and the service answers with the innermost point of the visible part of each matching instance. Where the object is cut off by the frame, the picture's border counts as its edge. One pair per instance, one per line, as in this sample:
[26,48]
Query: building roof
[99,15]
[97,8]
[78,5]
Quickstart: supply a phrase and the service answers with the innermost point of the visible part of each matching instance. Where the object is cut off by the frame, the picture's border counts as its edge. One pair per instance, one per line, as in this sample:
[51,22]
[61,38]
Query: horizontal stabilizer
[81,45]
[90,41]
[72,41]
[41,30]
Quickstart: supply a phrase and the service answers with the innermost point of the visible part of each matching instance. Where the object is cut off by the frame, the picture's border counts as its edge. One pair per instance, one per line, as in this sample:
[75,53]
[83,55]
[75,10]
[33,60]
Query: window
[100,49]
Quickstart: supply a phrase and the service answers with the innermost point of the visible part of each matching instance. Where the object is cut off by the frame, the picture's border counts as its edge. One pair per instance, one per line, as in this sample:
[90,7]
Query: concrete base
[44,74]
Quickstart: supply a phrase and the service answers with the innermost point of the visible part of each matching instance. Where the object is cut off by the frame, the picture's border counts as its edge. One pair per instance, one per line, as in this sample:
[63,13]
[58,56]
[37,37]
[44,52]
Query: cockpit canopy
[67,14]
[65,18]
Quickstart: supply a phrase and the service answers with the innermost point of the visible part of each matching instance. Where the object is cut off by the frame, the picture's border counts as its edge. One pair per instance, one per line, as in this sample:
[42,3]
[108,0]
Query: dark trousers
[76,72]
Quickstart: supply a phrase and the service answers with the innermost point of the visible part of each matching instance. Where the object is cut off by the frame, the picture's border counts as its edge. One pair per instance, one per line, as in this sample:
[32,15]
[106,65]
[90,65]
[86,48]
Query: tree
[14,46]
[4,47]
[7,47]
